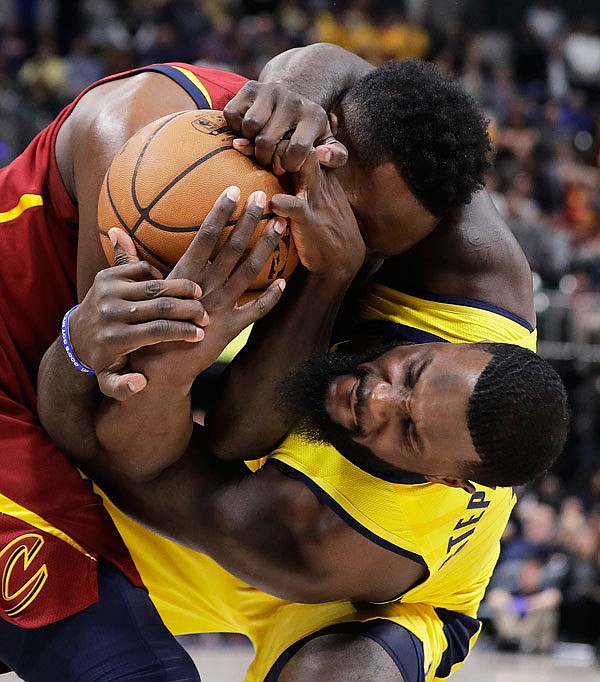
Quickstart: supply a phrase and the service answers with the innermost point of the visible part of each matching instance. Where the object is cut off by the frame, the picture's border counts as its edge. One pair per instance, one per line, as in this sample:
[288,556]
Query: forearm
[138,437]
[146,433]
[319,72]
[67,403]
[245,422]
[222,510]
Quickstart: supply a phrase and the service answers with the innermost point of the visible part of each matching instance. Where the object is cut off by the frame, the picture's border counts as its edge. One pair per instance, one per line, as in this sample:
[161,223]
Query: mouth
[359,397]
[353,405]
[343,402]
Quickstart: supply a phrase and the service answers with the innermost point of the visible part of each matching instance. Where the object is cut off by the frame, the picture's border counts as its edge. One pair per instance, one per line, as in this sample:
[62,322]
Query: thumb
[120,386]
[307,179]
[125,251]
[331,152]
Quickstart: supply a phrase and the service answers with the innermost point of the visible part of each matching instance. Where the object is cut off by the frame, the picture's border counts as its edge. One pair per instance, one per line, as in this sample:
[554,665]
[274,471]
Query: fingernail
[112,236]
[324,154]
[233,193]
[279,225]
[197,292]
[241,142]
[260,198]
[205,318]
[199,333]
[278,169]
[281,284]
[131,386]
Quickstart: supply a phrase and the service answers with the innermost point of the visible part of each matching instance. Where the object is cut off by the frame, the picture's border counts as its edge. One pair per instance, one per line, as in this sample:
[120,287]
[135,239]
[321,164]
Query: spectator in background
[83,66]
[525,618]
[546,20]
[580,609]
[43,76]
[582,53]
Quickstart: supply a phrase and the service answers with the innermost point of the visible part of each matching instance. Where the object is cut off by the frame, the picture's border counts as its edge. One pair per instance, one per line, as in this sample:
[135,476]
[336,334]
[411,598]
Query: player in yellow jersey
[399,534]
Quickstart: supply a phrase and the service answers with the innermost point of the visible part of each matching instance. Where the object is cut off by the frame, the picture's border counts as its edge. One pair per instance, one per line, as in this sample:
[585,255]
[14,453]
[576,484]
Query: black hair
[517,415]
[408,113]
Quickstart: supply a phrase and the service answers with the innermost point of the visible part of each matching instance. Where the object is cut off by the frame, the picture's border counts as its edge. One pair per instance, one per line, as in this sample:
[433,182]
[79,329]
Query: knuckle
[161,328]
[263,140]
[237,244]
[209,232]
[144,268]
[298,147]
[297,100]
[153,288]
[121,258]
[254,211]
[109,336]
[251,268]
[101,276]
[105,309]
[250,88]
[164,306]
[251,120]
[261,306]
[270,240]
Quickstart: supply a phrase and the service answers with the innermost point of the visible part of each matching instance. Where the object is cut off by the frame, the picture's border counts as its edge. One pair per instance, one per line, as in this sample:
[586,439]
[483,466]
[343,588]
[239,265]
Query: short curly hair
[517,415]
[408,113]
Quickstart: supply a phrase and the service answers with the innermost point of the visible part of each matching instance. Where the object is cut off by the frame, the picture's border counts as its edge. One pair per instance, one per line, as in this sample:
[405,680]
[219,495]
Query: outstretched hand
[130,306]
[280,128]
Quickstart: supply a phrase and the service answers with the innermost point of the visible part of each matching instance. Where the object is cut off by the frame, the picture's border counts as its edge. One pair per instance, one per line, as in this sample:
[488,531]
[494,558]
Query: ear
[333,123]
[467,486]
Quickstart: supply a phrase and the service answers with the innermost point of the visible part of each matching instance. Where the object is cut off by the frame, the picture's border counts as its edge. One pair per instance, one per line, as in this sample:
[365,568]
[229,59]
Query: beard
[303,399]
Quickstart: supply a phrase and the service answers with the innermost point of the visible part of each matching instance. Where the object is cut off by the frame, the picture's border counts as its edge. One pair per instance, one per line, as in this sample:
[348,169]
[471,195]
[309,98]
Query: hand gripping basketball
[130,307]
[163,182]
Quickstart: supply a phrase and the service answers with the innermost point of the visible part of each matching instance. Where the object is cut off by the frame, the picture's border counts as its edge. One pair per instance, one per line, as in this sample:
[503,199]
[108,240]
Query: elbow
[136,471]
[224,447]
[237,445]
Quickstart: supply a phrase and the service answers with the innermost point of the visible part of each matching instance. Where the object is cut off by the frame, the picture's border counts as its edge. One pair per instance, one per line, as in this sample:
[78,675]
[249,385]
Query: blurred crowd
[534,67]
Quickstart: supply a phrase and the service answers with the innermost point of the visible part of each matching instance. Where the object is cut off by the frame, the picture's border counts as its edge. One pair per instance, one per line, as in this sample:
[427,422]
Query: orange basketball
[166,178]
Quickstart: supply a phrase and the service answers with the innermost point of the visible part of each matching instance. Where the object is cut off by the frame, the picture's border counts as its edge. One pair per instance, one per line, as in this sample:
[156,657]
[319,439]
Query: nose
[386,402]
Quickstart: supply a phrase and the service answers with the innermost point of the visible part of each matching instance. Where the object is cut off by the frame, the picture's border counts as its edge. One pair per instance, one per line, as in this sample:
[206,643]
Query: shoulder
[222,85]
[472,255]
[109,113]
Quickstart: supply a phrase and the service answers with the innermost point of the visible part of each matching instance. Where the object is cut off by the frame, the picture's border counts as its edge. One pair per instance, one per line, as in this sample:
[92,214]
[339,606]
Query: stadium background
[535,69]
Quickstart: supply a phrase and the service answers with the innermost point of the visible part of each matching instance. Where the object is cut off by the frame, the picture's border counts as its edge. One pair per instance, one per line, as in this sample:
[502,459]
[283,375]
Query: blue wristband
[66,339]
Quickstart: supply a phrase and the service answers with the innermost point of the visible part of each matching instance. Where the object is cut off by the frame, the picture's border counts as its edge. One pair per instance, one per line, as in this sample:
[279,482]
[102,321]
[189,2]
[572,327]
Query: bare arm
[87,142]
[149,430]
[332,251]
[266,528]
[319,72]
[286,112]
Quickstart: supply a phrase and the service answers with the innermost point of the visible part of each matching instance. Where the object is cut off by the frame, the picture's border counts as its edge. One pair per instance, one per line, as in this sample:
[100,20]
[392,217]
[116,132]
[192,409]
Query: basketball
[164,181]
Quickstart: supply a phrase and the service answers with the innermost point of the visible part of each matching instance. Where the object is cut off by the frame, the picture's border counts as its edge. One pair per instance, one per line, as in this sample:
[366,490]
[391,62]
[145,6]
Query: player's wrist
[67,342]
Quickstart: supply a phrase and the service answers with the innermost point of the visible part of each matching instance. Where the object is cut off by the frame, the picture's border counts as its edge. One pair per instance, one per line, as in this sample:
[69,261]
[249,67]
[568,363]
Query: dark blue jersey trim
[458,631]
[458,300]
[342,513]
[396,331]
[175,74]
[401,645]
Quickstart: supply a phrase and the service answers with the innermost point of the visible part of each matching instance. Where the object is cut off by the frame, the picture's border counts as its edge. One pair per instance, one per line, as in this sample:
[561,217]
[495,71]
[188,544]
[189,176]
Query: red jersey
[53,527]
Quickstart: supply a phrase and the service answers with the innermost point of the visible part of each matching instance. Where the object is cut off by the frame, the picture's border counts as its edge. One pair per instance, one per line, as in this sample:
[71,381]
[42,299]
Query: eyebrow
[424,362]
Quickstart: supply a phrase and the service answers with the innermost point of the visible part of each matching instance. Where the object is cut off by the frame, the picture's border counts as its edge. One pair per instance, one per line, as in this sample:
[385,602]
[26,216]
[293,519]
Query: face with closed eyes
[406,409]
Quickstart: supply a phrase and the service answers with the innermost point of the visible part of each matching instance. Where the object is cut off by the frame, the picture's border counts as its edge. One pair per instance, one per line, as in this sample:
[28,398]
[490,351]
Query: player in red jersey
[60,553]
